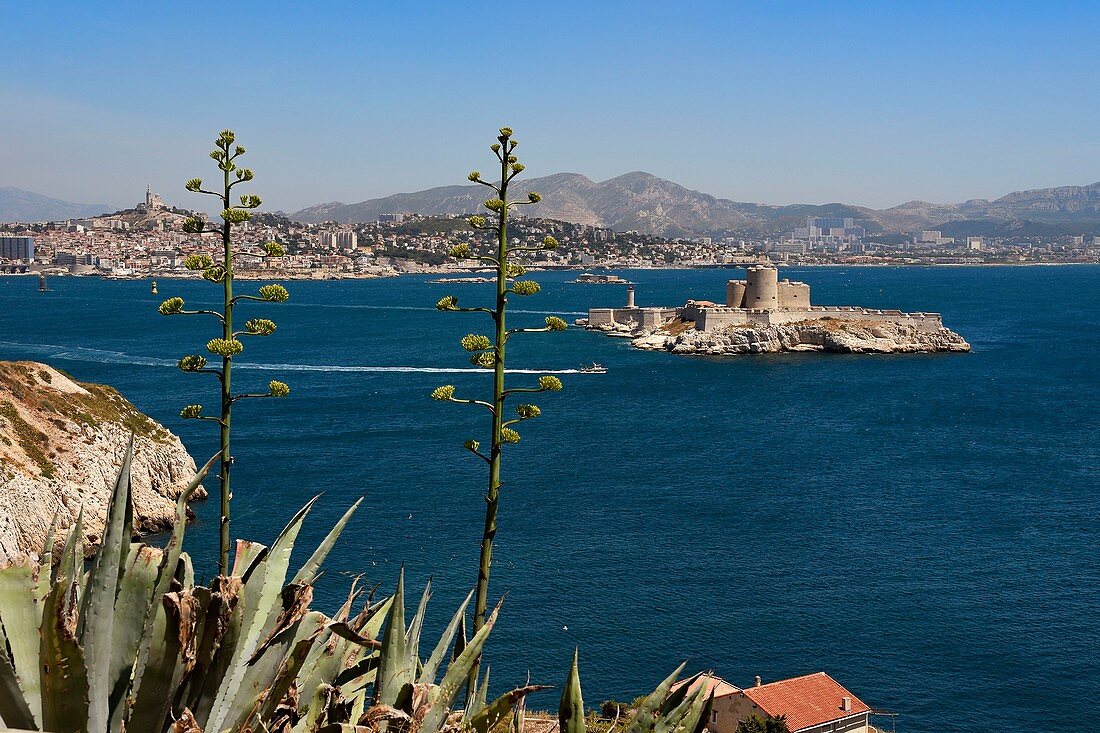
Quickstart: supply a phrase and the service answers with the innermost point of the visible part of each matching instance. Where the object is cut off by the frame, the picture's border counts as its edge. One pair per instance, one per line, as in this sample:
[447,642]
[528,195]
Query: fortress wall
[762,290]
[735,293]
[648,318]
[794,295]
[923,321]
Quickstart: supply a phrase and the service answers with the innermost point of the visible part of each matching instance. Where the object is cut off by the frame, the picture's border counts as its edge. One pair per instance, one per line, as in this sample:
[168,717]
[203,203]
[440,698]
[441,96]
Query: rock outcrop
[825,334]
[61,444]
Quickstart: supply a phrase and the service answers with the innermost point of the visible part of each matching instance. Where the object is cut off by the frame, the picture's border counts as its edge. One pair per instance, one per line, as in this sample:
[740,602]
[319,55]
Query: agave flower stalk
[489,353]
[226,154]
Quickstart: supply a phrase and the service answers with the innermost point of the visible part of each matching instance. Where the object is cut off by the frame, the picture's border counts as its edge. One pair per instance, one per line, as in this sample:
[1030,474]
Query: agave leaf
[311,627]
[247,553]
[263,581]
[64,676]
[477,701]
[135,592]
[571,709]
[333,655]
[97,608]
[685,716]
[171,650]
[14,707]
[20,617]
[645,716]
[456,675]
[676,697]
[308,572]
[412,638]
[169,558]
[217,640]
[431,667]
[44,565]
[394,658]
[491,715]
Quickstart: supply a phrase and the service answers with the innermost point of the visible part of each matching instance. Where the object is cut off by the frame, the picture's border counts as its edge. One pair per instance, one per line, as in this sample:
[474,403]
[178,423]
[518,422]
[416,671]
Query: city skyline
[785,104]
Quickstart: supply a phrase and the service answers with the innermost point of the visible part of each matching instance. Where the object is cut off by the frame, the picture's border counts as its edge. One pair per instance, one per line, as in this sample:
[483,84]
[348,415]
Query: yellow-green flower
[191,363]
[494,205]
[550,383]
[171,307]
[475,342]
[549,242]
[525,287]
[507,435]
[274,293]
[495,147]
[526,412]
[259,327]
[446,392]
[244,174]
[194,225]
[447,303]
[471,445]
[277,389]
[191,412]
[474,176]
[517,167]
[250,200]
[214,274]
[227,348]
[198,262]
[511,270]
[236,216]
[554,323]
[534,197]
[506,132]
[273,249]
[486,359]
[477,221]
[512,159]
[193,185]
[460,250]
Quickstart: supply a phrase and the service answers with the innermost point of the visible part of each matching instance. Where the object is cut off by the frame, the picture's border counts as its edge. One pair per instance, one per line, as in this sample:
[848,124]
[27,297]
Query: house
[813,703]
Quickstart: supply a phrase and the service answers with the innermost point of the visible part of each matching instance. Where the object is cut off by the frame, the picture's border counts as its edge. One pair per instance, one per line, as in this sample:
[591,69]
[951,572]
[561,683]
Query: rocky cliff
[842,336]
[61,444]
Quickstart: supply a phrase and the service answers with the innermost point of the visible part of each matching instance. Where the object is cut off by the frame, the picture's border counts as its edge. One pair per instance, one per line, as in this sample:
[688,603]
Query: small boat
[594,368]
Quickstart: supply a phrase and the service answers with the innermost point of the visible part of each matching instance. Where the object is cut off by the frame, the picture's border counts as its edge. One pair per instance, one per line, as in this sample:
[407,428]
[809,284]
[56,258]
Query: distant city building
[391,218]
[829,229]
[17,248]
[932,237]
[974,243]
[153,201]
[345,241]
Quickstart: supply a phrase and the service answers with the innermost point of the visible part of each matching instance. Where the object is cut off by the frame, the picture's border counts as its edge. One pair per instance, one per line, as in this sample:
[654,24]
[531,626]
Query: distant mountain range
[25,206]
[646,203]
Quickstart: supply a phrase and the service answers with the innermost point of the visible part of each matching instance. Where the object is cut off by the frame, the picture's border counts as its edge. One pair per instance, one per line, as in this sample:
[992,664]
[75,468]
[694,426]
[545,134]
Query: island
[763,314]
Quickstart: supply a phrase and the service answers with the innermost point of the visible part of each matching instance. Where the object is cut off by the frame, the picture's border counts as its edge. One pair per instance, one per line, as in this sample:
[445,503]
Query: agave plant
[683,708]
[228,345]
[134,645]
[489,353]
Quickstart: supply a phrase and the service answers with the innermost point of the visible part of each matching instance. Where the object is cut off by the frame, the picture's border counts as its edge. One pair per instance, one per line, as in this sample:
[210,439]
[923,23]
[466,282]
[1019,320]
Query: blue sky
[871,103]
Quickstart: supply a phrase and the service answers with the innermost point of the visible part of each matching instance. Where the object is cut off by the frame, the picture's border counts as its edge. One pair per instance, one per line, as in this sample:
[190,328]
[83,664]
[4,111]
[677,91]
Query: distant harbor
[588,278]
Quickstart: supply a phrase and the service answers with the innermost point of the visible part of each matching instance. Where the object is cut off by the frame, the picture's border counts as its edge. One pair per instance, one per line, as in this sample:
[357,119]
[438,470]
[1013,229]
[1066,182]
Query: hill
[17,205]
[652,205]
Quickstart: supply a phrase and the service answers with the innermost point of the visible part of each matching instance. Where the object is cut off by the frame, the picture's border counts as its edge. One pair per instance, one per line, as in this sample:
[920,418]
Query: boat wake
[102,356]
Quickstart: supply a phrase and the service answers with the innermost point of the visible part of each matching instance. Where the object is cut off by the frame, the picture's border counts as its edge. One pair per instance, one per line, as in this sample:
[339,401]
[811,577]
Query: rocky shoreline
[845,336]
[61,443]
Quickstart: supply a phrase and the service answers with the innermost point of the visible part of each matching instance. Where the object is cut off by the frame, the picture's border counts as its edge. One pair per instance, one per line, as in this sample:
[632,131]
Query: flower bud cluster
[274,293]
[494,205]
[505,132]
[476,342]
[474,176]
[259,327]
[250,200]
[191,363]
[215,273]
[550,383]
[485,360]
[444,393]
[236,216]
[245,174]
[275,388]
[193,185]
[517,167]
[549,242]
[198,262]
[191,412]
[511,270]
[471,445]
[477,221]
[273,249]
[461,251]
[507,435]
[447,303]
[171,307]
[194,225]
[534,197]
[526,412]
[227,348]
[525,287]
[553,323]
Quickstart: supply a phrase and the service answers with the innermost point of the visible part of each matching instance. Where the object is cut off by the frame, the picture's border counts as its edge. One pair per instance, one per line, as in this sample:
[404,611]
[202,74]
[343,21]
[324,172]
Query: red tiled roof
[806,701]
[715,685]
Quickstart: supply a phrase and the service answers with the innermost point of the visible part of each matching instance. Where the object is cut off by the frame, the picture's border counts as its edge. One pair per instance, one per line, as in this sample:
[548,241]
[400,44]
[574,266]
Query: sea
[924,528]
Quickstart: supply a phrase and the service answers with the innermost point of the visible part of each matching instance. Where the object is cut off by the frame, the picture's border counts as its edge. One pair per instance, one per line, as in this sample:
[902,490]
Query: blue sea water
[922,527]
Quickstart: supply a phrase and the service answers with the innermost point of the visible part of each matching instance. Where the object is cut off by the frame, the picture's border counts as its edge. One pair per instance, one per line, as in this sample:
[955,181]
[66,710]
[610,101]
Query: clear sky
[871,103]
